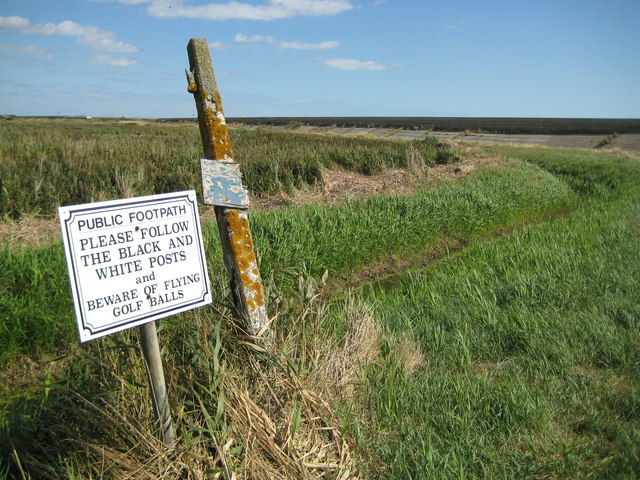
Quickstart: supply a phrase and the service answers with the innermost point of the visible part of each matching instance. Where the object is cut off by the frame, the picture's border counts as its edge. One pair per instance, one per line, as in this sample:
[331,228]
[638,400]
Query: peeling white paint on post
[229,199]
[222,184]
[246,265]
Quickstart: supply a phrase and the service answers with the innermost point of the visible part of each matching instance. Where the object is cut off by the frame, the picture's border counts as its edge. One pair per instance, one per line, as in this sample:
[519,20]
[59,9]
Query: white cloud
[218,46]
[349,64]
[94,37]
[126,2]
[113,61]
[256,38]
[29,50]
[228,46]
[294,45]
[297,45]
[269,10]
[11,23]
[456,26]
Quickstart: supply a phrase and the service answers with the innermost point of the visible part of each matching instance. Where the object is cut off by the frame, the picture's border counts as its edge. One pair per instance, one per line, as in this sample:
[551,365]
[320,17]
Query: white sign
[133,261]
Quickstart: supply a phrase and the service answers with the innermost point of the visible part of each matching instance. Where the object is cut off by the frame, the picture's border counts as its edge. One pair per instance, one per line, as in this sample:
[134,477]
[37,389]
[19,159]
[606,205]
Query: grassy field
[50,163]
[509,349]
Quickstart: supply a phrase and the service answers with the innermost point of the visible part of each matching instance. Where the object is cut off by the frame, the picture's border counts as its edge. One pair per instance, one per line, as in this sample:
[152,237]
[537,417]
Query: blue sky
[516,58]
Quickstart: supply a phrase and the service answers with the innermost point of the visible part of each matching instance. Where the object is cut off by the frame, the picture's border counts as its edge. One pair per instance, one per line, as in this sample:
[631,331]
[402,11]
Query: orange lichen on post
[192,86]
[233,225]
[202,83]
[245,261]
[216,125]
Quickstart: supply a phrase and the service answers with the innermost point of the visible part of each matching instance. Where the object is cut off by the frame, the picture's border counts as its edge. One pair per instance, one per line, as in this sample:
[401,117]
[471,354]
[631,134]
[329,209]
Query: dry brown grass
[283,418]
[293,435]
[277,426]
[28,231]
[341,369]
[408,354]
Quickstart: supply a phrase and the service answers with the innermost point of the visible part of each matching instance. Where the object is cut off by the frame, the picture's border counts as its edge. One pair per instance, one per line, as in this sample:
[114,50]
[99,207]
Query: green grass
[515,356]
[590,173]
[308,240]
[529,343]
[35,305]
[342,238]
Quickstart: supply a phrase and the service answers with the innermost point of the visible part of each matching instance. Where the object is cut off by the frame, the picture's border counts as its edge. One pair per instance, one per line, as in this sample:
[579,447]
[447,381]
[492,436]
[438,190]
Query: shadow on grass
[77,411]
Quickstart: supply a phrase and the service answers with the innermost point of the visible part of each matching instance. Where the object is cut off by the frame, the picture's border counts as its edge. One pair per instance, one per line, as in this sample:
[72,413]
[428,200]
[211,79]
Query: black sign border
[115,205]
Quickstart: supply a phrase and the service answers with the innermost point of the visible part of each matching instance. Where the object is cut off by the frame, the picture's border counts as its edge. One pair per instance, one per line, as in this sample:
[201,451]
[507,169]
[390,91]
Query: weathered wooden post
[159,399]
[233,224]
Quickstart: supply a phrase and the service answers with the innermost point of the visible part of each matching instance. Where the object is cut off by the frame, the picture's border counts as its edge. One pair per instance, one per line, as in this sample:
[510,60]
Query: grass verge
[303,241]
[527,347]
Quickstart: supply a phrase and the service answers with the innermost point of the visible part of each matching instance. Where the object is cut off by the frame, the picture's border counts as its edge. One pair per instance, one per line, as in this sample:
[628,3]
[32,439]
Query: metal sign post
[224,190]
[159,399]
[133,261]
